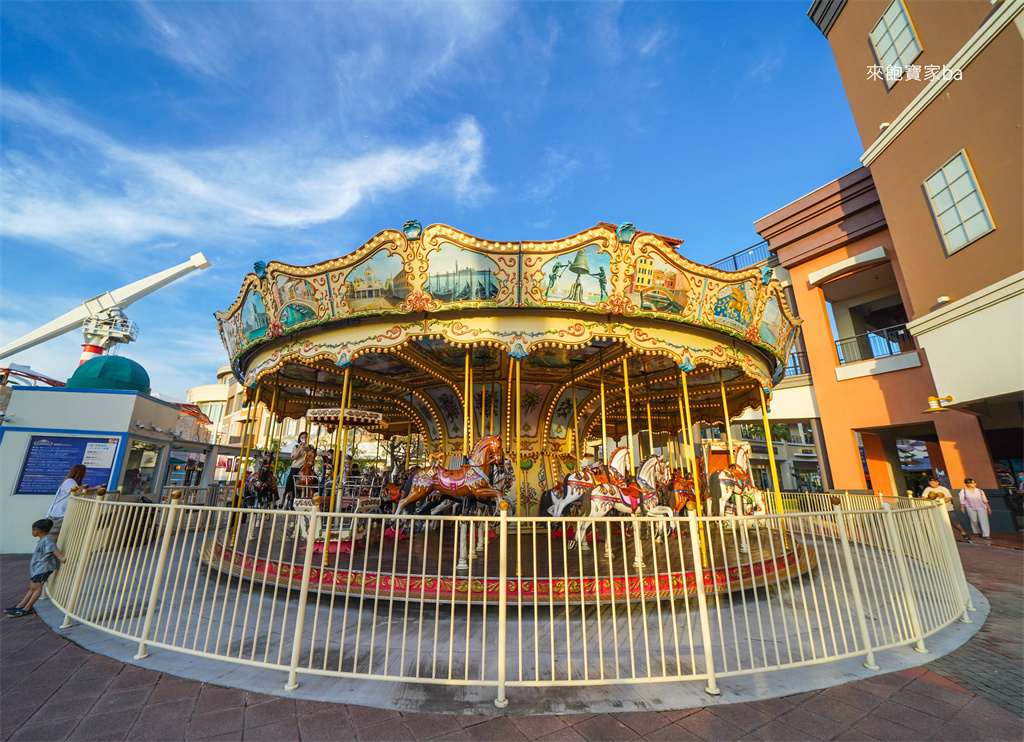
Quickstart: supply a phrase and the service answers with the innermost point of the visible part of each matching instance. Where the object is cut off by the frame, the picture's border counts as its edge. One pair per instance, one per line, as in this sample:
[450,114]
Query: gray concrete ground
[52,689]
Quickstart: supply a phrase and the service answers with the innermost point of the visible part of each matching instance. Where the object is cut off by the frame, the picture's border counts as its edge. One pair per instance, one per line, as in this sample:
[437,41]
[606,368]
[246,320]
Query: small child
[43,563]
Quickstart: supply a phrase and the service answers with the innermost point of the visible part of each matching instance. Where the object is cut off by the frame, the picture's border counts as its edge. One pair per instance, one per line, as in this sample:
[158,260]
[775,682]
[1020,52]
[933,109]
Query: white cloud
[81,187]
[765,69]
[559,169]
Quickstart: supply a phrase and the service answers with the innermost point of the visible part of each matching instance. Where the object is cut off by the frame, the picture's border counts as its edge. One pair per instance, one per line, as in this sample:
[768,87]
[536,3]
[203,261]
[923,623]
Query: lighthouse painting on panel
[583,276]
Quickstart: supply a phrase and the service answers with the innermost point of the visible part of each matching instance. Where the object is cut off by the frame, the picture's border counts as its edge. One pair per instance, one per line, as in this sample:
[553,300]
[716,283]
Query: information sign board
[50,458]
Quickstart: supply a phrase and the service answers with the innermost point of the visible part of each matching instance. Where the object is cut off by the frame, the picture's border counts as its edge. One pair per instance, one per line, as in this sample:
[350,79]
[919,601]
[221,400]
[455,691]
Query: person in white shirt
[299,453]
[935,491]
[59,506]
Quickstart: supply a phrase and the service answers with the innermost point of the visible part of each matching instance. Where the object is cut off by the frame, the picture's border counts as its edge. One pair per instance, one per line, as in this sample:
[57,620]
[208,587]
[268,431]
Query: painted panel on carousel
[658,286]
[428,418]
[562,413]
[734,306]
[387,365]
[456,275]
[295,300]
[532,401]
[775,330]
[254,317]
[230,333]
[580,277]
[379,284]
[451,409]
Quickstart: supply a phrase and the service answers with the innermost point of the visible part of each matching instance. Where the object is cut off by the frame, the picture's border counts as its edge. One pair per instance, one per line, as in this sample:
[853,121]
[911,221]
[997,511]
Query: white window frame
[904,63]
[976,189]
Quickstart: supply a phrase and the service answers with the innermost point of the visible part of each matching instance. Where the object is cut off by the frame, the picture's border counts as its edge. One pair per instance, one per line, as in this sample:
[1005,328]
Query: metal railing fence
[503,601]
[744,258]
[875,344]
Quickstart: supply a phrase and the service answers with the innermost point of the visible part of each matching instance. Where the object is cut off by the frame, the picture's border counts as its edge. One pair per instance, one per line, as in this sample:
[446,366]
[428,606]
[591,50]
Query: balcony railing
[744,258]
[797,364]
[875,344]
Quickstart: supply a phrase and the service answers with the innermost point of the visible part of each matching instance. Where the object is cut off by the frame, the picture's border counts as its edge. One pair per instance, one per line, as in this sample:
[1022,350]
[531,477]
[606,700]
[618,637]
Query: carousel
[575,384]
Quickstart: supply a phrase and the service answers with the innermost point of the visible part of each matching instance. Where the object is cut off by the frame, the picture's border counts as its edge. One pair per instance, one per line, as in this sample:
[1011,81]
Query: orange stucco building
[909,271]
[836,245]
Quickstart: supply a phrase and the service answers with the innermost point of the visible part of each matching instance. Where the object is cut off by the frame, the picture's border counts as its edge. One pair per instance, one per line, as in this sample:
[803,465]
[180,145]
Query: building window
[895,42]
[957,203]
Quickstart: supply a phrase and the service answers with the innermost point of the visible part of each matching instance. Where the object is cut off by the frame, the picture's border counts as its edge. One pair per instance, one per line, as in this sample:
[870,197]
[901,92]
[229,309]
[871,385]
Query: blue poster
[50,458]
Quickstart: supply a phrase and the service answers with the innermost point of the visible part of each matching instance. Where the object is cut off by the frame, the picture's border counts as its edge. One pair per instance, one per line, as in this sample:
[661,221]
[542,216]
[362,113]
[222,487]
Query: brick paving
[51,689]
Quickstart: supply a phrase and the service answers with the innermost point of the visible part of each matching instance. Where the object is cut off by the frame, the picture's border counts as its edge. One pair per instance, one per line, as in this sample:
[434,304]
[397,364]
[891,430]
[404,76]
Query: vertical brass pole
[771,462]
[248,433]
[519,437]
[483,401]
[408,442]
[725,415]
[650,428]
[629,413]
[270,423]
[575,413]
[698,495]
[467,410]
[604,419]
[346,398]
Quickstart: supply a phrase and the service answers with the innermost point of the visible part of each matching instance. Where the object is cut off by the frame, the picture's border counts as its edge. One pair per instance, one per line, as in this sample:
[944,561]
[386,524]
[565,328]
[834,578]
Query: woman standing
[299,453]
[59,506]
[975,504]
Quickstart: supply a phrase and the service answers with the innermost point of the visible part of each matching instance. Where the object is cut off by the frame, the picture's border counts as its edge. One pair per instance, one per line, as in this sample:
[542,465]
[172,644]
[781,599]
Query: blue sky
[137,134]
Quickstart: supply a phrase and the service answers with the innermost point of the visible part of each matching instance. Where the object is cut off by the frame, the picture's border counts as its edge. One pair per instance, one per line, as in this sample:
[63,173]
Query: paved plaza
[55,690]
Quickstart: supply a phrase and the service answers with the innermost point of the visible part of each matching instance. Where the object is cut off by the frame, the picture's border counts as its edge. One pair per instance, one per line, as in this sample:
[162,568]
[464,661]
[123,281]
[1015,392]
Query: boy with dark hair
[40,567]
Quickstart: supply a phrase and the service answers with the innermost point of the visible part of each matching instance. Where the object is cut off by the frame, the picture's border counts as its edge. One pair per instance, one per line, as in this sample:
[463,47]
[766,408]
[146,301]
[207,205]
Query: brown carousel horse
[473,479]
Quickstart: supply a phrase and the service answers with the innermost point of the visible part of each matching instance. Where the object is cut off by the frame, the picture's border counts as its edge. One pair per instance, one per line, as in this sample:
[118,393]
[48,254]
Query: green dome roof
[110,372]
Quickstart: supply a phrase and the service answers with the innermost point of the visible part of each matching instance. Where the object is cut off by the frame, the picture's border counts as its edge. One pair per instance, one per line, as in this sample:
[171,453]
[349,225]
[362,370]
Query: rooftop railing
[744,258]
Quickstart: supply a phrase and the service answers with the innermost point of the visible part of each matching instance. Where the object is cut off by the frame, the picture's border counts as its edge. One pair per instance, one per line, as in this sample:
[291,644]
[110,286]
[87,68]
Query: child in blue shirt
[40,567]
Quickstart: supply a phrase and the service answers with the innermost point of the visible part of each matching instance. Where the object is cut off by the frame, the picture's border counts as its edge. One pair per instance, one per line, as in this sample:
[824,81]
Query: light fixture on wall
[942,300]
[935,404]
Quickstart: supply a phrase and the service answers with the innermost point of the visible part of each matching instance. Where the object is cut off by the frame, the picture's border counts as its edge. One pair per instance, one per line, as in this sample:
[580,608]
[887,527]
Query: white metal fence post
[901,566]
[702,605]
[858,603]
[501,701]
[161,560]
[81,560]
[300,616]
[953,557]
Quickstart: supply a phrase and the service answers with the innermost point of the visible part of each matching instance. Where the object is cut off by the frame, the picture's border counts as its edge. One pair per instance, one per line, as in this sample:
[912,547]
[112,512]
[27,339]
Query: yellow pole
[650,429]
[483,402]
[575,418]
[771,462]
[346,396]
[519,437]
[408,443]
[467,410]
[725,415]
[604,420]
[495,387]
[629,412]
[693,465]
[270,423]
[248,433]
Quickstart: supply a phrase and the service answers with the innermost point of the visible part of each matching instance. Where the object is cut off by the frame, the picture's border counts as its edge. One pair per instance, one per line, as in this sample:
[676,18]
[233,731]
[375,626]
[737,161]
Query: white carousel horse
[638,497]
[737,494]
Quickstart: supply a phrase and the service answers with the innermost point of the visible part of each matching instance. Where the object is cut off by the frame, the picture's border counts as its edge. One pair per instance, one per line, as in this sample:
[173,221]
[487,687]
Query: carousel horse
[637,497]
[261,488]
[307,484]
[734,486]
[555,501]
[486,463]
[393,492]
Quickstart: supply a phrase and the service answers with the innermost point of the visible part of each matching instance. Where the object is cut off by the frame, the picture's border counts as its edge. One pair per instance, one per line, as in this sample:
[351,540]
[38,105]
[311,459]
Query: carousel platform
[440,565]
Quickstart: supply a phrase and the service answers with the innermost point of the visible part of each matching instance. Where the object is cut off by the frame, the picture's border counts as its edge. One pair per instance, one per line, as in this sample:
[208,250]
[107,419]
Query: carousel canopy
[412,313]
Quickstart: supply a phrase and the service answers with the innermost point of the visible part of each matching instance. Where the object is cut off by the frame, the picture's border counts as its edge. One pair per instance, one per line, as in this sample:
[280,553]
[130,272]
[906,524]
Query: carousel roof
[404,311]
